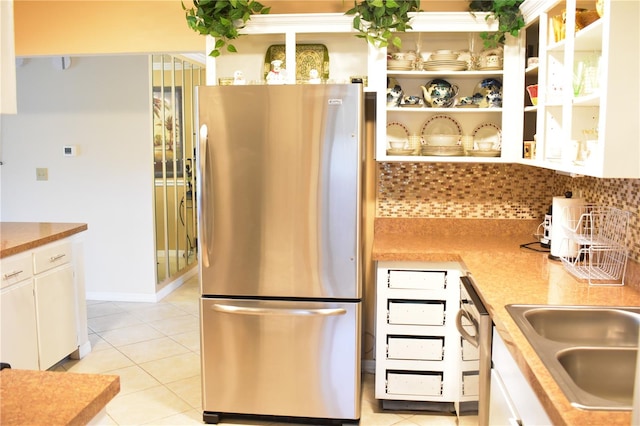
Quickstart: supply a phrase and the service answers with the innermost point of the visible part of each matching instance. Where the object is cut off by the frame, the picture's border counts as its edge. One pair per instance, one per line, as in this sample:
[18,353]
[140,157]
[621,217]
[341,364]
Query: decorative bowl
[397,144]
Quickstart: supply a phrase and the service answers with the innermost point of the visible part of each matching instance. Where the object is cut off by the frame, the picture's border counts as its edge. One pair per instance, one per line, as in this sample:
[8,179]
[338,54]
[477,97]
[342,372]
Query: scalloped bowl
[442,140]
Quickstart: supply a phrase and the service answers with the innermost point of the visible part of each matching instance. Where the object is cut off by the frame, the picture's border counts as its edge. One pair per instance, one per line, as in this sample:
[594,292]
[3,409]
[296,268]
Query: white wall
[101,105]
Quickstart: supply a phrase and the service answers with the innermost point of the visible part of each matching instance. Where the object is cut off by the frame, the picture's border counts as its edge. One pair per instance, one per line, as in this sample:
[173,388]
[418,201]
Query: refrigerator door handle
[204,136]
[245,310]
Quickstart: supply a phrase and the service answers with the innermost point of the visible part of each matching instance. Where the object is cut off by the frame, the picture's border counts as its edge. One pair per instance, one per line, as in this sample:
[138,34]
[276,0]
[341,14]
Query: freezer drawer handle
[231,309]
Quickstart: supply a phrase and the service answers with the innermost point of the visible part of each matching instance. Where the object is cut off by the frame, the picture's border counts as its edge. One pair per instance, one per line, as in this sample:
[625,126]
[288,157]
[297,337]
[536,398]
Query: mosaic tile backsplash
[498,191]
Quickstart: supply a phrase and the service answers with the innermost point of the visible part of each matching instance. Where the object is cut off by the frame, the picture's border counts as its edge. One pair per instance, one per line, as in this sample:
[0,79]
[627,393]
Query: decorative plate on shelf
[488,132]
[308,57]
[397,132]
[441,124]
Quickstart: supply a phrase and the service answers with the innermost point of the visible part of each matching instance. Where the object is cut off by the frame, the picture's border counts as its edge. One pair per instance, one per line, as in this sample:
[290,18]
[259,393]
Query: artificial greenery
[222,19]
[376,20]
[507,12]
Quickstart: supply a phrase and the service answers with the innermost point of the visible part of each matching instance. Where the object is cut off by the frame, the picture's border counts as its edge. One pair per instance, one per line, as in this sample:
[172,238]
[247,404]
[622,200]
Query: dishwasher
[475,326]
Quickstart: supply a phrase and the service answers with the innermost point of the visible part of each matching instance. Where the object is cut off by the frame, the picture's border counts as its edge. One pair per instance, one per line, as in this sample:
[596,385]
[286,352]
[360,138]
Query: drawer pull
[56,257]
[13,274]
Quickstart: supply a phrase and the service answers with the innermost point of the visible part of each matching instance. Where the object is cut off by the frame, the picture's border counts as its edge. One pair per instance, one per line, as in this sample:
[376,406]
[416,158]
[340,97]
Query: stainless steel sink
[590,351]
[585,326]
[603,372]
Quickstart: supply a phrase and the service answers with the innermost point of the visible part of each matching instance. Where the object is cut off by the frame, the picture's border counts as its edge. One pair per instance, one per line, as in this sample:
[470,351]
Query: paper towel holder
[557,243]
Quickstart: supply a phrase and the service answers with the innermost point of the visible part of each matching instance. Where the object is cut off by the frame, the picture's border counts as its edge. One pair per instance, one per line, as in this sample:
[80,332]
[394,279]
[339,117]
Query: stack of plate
[399,65]
[447,151]
[445,65]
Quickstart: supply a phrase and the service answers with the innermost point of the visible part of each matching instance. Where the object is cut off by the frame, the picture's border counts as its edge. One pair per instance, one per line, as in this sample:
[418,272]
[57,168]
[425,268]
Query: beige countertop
[29,397]
[16,237]
[505,273]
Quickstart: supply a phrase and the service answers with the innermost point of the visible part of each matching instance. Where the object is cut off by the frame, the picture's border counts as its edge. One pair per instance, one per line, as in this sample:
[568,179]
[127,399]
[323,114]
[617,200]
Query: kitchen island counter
[489,249]
[30,397]
[16,237]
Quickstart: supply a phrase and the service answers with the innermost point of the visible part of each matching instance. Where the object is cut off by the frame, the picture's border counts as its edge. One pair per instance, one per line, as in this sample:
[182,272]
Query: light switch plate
[42,173]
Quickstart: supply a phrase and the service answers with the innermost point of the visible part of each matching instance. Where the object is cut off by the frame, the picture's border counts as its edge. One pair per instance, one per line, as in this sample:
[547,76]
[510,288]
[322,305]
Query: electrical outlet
[42,173]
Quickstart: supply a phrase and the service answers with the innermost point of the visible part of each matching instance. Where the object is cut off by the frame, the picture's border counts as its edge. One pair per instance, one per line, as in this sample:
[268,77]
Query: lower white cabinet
[55,315]
[512,400]
[419,352]
[19,339]
[42,305]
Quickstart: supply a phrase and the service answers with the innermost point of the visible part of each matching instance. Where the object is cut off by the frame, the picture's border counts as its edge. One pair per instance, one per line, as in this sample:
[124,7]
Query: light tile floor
[155,349]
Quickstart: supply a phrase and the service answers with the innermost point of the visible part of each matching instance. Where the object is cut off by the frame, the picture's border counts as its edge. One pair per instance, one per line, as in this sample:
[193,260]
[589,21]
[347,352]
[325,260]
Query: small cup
[398,56]
[532,61]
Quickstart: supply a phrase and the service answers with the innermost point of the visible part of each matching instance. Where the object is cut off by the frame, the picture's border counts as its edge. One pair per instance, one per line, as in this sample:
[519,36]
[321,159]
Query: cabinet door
[56,315]
[502,411]
[19,344]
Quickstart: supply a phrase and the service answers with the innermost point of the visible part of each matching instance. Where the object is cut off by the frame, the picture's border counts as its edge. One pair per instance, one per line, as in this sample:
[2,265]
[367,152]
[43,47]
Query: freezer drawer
[281,358]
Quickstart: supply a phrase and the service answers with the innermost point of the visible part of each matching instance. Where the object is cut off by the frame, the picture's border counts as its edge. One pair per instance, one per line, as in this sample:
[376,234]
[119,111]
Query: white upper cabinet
[300,36]
[500,122]
[588,87]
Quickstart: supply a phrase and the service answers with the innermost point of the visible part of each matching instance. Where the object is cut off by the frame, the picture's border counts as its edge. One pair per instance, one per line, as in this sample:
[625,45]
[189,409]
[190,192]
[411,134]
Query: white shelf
[456,74]
[453,110]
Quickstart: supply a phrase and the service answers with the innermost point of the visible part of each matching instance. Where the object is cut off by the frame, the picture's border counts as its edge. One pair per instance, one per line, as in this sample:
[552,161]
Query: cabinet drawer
[417,280]
[470,383]
[51,256]
[414,383]
[415,312]
[14,269]
[469,352]
[415,348]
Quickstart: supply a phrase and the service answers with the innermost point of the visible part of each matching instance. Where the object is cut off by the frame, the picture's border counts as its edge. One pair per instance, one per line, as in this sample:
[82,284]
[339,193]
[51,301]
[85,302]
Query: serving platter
[441,124]
[308,57]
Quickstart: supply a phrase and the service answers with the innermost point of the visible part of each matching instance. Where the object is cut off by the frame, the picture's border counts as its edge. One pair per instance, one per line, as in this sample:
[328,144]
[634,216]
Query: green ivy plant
[377,20]
[508,14]
[222,19]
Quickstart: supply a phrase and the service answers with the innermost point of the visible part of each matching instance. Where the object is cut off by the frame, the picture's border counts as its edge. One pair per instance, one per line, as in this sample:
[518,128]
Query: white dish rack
[596,243]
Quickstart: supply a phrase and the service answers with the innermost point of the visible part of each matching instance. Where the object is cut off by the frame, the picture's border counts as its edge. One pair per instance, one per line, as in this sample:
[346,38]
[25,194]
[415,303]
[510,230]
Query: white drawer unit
[415,348]
[418,348]
[416,312]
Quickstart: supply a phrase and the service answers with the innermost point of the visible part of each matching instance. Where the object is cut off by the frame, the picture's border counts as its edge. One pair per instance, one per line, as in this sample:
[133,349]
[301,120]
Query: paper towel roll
[561,246]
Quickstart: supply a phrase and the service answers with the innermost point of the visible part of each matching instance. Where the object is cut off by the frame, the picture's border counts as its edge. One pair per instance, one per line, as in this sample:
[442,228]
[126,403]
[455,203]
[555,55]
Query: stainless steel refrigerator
[278,192]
